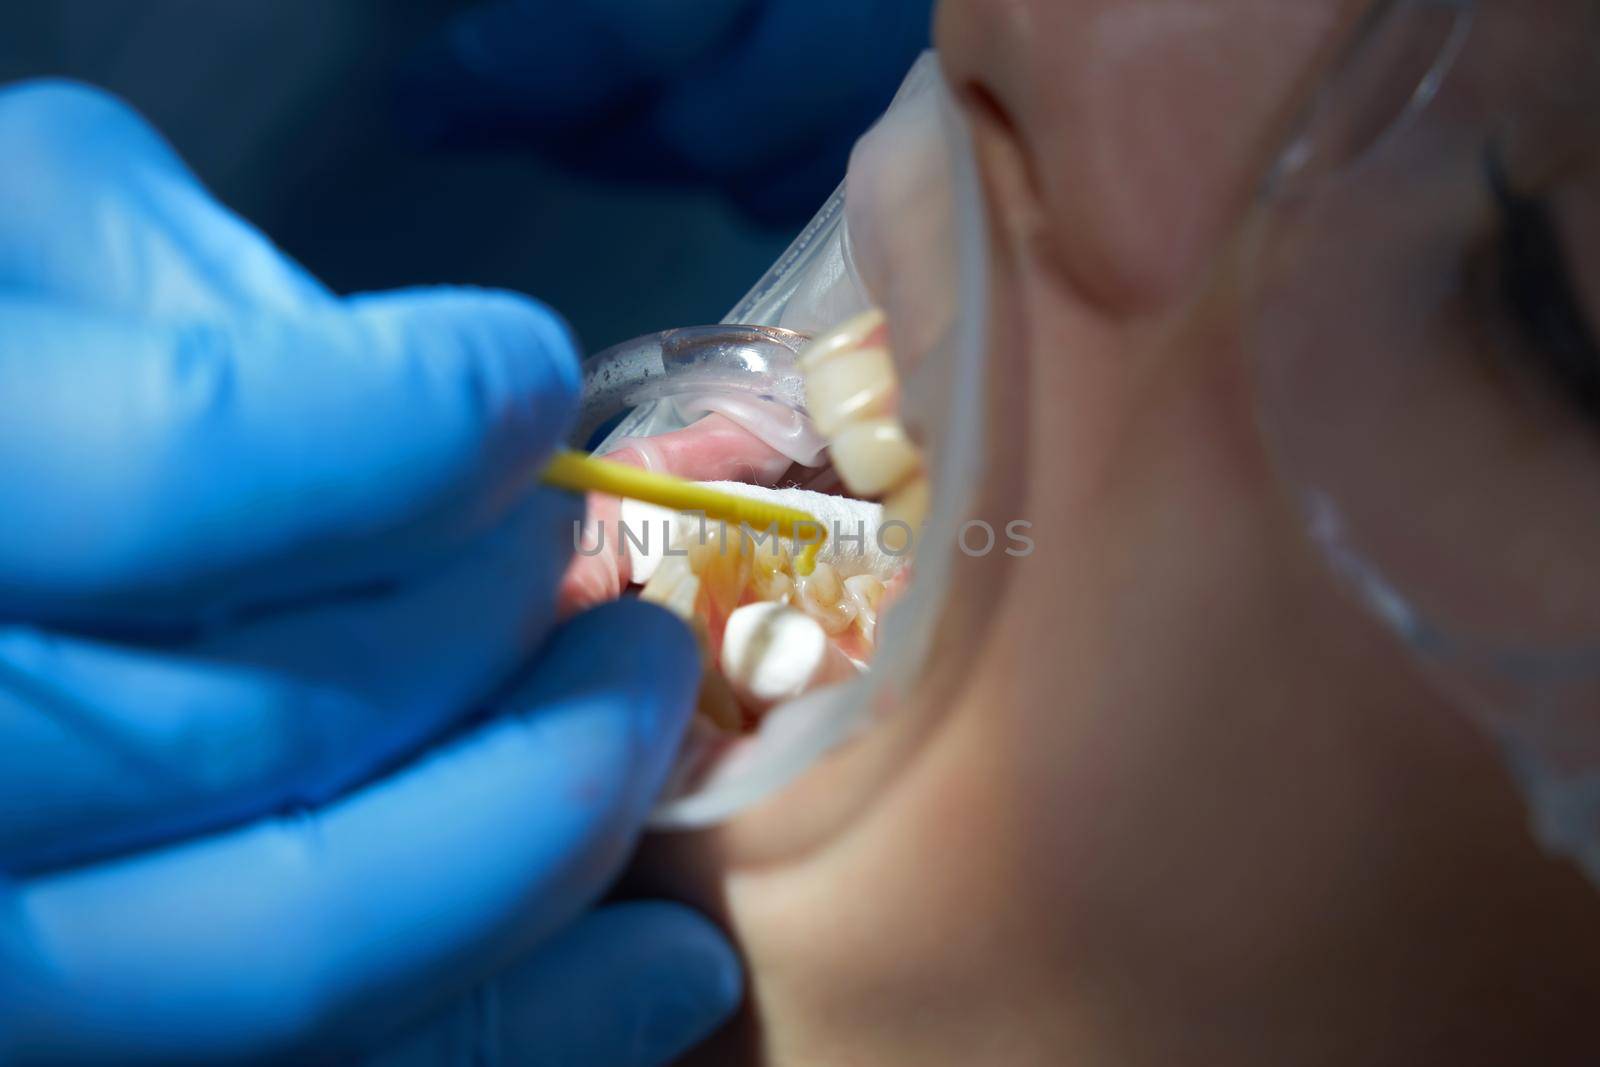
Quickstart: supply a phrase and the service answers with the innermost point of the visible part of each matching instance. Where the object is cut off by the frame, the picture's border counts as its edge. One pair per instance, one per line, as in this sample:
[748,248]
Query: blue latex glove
[760,98]
[263,547]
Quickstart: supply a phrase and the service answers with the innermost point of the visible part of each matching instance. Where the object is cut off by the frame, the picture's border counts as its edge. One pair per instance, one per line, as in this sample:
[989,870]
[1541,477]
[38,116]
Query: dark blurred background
[286,110]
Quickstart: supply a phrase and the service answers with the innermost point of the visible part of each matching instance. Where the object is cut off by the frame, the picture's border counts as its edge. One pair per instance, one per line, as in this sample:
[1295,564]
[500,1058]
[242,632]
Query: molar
[823,597]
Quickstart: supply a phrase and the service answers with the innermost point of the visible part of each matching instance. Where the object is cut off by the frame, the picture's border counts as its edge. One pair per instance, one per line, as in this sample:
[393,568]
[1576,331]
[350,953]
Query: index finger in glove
[168,466]
[105,747]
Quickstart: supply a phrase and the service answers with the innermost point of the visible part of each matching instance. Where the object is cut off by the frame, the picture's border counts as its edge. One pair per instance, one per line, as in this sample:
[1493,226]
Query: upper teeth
[850,392]
[874,455]
[852,333]
[856,385]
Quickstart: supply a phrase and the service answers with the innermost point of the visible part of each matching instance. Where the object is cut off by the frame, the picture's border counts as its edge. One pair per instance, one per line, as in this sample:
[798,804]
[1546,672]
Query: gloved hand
[263,546]
[759,98]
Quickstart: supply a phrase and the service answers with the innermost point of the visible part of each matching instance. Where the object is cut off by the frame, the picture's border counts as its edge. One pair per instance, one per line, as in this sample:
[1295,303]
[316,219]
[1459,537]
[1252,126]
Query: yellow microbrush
[582,473]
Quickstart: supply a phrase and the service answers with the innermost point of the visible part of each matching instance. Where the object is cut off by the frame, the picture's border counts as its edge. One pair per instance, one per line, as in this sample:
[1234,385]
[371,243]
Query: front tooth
[643,531]
[769,568]
[847,335]
[850,386]
[823,597]
[724,564]
[769,552]
[684,599]
[781,587]
[710,542]
[772,653]
[670,572]
[866,593]
[674,586]
[874,456]
[772,585]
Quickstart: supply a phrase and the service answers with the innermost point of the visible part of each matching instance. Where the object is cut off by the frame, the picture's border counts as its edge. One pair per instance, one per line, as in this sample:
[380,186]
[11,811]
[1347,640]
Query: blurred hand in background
[760,99]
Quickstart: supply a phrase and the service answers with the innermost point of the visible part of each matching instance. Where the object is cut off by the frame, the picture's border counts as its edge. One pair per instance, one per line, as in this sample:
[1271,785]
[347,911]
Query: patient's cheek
[1145,124]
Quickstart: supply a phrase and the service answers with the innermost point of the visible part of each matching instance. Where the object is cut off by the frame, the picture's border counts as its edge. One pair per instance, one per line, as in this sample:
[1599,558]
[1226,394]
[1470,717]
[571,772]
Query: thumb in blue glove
[627,985]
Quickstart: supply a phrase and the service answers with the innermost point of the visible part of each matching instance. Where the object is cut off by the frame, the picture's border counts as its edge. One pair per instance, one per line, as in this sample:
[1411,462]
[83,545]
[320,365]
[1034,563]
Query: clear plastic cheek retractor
[790,637]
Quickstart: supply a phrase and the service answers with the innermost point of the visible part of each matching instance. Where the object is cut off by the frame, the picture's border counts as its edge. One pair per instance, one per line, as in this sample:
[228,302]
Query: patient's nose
[1144,126]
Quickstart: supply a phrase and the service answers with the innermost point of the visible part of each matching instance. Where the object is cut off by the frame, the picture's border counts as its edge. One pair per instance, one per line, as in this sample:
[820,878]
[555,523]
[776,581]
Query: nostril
[1001,145]
[986,107]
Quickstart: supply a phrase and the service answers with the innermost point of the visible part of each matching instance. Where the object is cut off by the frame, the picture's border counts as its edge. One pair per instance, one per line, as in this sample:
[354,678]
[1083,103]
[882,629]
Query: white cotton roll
[853,545]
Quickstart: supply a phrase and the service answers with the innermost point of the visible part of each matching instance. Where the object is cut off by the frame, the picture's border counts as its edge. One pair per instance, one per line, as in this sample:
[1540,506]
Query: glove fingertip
[617,686]
[665,978]
[64,107]
[666,656]
[66,135]
[691,982]
[510,361]
[697,956]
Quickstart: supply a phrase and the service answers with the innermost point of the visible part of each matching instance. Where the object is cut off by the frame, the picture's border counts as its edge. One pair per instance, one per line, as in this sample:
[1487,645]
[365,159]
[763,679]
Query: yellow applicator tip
[808,558]
[580,473]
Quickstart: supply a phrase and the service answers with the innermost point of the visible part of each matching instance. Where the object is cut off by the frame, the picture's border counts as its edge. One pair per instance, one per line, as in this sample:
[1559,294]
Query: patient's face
[1167,795]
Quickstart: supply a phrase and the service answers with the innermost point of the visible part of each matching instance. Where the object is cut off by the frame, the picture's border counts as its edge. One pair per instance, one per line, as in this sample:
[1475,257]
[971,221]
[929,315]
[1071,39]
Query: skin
[1167,794]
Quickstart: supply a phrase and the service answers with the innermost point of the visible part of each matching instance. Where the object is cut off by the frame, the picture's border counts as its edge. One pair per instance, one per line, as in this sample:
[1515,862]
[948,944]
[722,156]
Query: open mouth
[776,624]
[810,410]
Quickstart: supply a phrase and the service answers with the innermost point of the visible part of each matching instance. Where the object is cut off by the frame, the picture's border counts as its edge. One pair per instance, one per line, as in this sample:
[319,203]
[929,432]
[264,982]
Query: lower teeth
[711,573]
